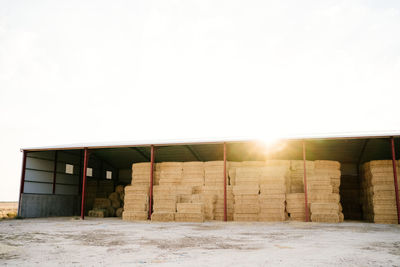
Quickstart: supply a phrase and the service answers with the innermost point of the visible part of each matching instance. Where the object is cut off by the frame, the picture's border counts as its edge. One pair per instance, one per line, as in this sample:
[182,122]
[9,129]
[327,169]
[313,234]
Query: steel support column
[151,181]
[55,172]
[21,188]
[85,163]
[225,207]
[305,182]
[396,186]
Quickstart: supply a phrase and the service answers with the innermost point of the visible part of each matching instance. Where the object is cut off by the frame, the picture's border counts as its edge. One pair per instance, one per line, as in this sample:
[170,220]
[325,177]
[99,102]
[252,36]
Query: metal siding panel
[38,188]
[67,179]
[66,189]
[39,164]
[38,176]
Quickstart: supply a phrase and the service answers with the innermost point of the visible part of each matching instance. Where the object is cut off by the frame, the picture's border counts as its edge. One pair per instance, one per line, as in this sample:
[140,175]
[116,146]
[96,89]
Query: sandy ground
[8,207]
[105,242]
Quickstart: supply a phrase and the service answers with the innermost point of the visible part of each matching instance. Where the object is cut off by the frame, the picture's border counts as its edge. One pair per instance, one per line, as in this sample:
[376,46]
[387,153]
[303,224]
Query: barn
[310,178]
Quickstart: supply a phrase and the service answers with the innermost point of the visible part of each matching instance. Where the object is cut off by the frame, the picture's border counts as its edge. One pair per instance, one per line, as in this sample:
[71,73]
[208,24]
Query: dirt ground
[8,208]
[111,241]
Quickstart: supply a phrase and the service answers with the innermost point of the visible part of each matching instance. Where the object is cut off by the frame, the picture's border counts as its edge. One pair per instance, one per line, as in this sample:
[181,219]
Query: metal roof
[94,145]
[354,151]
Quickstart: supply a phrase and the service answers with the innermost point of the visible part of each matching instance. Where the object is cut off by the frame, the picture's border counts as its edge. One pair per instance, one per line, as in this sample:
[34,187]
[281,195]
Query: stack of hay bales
[323,192]
[246,191]
[136,198]
[190,212]
[164,203]
[101,208]
[323,181]
[246,207]
[165,193]
[273,185]
[213,191]
[113,206]
[295,206]
[379,200]
[170,173]
[296,183]
[193,173]
[232,171]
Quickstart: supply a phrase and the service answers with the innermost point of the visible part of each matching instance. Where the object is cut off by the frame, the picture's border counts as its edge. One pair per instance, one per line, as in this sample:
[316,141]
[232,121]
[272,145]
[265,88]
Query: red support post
[21,188]
[396,186]
[225,207]
[55,172]
[85,162]
[305,183]
[151,181]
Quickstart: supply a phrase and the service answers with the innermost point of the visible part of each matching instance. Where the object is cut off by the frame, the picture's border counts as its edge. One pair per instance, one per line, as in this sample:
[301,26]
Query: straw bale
[163,216]
[326,164]
[327,218]
[246,190]
[119,189]
[118,212]
[247,208]
[253,163]
[134,215]
[189,217]
[245,217]
[101,203]
[136,189]
[272,217]
[273,189]
[165,206]
[136,197]
[136,206]
[98,213]
[111,211]
[299,165]
[272,197]
[295,196]
[213,163]
[190,207]
[323,197]
[297,216]
[116,203]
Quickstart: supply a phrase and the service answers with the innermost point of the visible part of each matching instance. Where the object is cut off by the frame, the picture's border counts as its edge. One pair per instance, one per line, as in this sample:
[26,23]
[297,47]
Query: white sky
[80,71]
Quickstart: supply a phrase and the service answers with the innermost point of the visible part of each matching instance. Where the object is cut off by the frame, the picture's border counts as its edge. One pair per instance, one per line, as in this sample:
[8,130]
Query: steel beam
[151,181]
[22,184]
[55,172]
[305,182]
[85,163]
[194,152]
[396,186]
[225,207]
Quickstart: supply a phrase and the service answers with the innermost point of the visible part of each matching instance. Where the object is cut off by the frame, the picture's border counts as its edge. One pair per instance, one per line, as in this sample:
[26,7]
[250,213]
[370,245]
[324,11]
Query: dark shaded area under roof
[343,150]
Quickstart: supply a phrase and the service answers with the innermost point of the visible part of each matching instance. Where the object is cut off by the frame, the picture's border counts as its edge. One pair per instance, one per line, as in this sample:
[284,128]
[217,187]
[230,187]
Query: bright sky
[87,71]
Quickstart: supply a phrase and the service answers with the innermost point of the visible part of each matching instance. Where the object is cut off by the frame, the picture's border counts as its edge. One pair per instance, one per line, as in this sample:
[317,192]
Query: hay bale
[163,216]
[245,217]
[189,217]
[134,216]
[119,189]
[118,212]
[101,203]
[190,207]
[101,213]
[111,211]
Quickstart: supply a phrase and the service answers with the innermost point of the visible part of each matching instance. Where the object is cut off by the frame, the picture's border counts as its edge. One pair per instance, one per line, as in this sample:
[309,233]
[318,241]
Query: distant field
[8,208]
